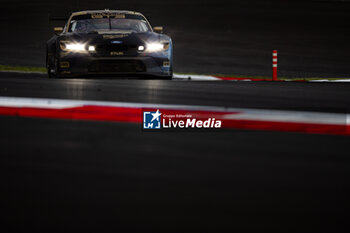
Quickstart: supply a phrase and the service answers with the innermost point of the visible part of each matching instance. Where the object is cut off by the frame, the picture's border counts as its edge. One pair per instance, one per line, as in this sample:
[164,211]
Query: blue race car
[109,42]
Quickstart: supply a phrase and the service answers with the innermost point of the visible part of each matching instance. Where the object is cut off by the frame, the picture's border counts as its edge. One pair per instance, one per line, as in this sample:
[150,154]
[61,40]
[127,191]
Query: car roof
[105,11]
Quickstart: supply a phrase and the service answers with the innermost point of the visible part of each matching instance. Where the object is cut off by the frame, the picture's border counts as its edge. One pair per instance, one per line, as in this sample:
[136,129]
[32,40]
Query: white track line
[62,103]
[326,80]
[195,77]
[290,116]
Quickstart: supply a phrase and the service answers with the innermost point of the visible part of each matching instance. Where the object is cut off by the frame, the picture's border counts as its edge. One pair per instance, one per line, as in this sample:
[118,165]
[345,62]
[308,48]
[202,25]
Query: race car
[109,42]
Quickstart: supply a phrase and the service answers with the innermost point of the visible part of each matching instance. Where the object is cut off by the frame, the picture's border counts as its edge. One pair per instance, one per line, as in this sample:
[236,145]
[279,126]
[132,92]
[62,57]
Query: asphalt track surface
[321,97]
[69,175]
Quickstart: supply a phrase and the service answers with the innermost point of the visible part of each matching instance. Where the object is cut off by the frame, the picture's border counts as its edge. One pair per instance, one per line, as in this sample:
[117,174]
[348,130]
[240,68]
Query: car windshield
[102,22]
[123,25]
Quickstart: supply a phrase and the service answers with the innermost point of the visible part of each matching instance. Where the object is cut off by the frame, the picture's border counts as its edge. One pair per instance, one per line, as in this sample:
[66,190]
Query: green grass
[28,69]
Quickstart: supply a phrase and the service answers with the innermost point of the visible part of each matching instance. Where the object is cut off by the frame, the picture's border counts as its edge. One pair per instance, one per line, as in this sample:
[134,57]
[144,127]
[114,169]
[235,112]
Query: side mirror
[58,30]
[158,30]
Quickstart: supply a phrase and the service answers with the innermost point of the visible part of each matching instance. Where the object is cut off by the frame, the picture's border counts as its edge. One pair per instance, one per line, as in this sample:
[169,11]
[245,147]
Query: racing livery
[109,42]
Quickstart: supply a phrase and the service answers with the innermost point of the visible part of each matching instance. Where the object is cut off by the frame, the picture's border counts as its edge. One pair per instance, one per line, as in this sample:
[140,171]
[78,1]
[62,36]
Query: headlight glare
[73,47]
[76,47]
[92,48]
[156,47]
[141,48]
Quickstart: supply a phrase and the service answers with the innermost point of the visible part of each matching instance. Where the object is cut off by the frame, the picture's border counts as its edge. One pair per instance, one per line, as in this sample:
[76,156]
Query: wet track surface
[325,97]
[66,175]
[69,175]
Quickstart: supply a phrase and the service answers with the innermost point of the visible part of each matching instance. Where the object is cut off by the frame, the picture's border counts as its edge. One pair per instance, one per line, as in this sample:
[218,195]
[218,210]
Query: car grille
[108,48]
[117,66]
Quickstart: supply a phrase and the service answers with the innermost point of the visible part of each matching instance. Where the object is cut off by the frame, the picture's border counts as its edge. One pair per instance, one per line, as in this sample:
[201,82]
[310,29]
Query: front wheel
[51,68]
[169,77]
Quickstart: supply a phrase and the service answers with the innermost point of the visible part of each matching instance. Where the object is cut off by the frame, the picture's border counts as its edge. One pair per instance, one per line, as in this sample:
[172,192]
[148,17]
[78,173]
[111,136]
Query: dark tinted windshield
[102,22]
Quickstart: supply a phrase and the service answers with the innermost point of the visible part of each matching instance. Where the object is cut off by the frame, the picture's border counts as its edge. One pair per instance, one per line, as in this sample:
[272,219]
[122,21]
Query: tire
[51,66]
[169,77]
[52,69]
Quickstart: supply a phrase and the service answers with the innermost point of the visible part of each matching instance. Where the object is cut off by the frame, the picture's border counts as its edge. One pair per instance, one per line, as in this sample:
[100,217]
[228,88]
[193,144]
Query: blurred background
[210,37]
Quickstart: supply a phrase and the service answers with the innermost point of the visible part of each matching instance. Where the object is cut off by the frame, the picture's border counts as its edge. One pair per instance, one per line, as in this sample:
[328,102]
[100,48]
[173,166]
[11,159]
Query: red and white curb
[236,118]
[195,77]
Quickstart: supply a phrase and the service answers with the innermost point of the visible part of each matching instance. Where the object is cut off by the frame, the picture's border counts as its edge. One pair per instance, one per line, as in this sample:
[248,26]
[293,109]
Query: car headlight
[73,47]
[92,48]
[141,48]
[156,47]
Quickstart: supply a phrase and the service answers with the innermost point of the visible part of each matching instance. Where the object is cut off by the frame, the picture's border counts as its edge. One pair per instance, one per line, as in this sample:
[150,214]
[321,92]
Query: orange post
[274,65]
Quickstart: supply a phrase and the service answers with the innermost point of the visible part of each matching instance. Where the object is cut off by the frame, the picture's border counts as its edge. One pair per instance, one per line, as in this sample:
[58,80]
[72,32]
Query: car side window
[73,26]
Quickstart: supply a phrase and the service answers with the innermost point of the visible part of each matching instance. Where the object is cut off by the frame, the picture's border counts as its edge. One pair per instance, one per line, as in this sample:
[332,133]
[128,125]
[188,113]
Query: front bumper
[77,65]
